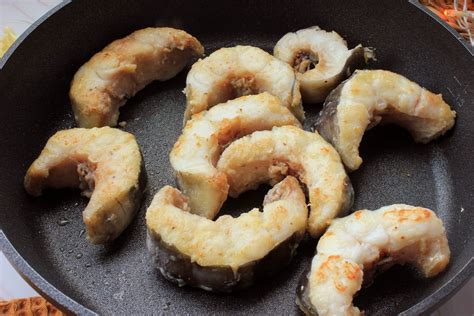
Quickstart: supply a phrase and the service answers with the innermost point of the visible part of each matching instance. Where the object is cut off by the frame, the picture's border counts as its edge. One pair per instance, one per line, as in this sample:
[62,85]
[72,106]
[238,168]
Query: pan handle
[36,281]
[458,36]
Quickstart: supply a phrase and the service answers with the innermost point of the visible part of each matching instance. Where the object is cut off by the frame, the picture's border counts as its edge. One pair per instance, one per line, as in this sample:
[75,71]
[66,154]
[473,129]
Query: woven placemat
[36,306]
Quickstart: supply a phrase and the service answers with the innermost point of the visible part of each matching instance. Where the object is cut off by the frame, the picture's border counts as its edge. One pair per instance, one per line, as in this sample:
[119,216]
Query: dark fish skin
[302,295]
[326,124]
[178,268]
[357,60]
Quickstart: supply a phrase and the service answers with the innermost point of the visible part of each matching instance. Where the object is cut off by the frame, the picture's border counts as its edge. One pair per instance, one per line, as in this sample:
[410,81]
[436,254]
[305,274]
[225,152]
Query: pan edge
[37,282]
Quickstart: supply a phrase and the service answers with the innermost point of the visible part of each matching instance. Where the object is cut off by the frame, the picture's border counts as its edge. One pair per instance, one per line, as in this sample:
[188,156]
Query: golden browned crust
[267,156]
[205,136]
[373,96]
[356,248]
[231,72]
[105,163]
[124,67]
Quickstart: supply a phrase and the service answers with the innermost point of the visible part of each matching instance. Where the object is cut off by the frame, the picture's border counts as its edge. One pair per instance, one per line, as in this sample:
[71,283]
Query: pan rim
[38,283]
[70,306]
[64,3]
[448,27]
[67,304]
[4,59]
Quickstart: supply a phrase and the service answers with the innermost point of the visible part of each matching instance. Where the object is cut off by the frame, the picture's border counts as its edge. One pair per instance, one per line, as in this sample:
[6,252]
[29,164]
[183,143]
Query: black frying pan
[118,278]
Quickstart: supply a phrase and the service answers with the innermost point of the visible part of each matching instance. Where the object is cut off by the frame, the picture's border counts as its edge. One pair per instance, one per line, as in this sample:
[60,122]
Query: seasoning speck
[63,222]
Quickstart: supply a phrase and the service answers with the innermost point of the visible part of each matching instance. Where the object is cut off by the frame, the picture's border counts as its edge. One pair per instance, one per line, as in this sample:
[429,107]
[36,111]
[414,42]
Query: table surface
[19,15]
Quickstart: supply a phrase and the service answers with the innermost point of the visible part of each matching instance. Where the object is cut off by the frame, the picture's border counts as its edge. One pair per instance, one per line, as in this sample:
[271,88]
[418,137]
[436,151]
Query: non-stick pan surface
[47,232]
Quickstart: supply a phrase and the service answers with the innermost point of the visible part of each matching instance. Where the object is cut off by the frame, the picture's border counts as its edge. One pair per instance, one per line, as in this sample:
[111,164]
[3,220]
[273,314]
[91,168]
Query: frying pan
[43,237]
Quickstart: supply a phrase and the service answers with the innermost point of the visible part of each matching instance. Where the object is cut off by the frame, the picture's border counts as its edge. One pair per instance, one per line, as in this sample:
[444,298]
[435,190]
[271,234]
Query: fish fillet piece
[124,67]
[268,156]
[105,163]
[228,253]
[357,247]
[321,60]
[205,136]
[370,97]
[236,71]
